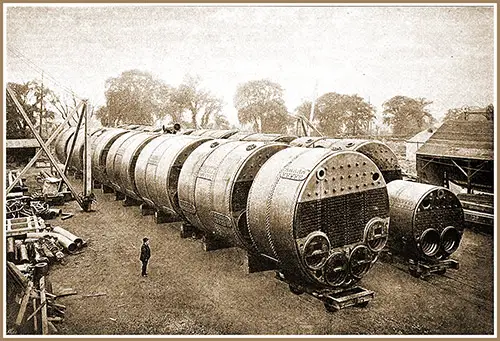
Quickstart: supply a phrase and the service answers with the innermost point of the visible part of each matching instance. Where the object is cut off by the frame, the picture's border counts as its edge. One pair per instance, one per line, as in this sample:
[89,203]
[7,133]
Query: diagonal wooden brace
[45,148]
[40,151]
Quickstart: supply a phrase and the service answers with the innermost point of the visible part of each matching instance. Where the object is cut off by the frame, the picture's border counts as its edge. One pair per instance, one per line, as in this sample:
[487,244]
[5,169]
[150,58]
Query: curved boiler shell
[121,160]
[214,186]
[100,148]
[76,160]
[158,167]
[265,137]
[322,215]
[426,221]
[214,133]
[62,142]
[377,151]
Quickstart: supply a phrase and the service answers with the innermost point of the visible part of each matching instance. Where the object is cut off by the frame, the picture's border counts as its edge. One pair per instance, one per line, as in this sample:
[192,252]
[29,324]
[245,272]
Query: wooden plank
[55,319]
[67,292]
[33,315]
[18,276]
[24,304]
[45,326]
[35,320]
[53,329]
[95,295]
[21,143]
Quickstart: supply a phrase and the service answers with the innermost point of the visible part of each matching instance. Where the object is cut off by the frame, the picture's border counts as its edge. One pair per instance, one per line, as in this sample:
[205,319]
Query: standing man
[145,254]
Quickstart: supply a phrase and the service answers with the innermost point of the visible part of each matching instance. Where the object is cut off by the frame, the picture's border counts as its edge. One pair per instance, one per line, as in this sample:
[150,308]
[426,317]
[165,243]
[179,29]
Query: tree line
[138,97]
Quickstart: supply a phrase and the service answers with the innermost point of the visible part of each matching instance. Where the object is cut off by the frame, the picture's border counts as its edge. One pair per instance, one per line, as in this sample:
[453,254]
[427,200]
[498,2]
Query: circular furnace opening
[429,242]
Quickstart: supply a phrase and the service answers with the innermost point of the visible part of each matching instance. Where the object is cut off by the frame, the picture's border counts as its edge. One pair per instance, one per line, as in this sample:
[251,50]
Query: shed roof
[461,139]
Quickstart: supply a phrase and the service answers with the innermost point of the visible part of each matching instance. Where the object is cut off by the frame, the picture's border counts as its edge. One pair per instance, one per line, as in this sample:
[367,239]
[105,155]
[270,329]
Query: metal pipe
[11,253]
[23,253]
[67,243]
[77,240]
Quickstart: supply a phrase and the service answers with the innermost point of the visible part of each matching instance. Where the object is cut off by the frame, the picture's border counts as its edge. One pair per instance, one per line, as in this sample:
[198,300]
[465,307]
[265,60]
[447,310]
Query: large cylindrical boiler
[321,215]
[61,143]
[158,167]
[119,162]
[214,187]
[100,148]
[427,221]
[77,158]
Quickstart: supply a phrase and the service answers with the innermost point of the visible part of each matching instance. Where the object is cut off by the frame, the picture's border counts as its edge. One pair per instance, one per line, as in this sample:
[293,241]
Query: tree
[201,106]
[406,115]
[65,106]
[260,103]
[219,122]
[135,97]
[358,115]
[338,114]
[36,101]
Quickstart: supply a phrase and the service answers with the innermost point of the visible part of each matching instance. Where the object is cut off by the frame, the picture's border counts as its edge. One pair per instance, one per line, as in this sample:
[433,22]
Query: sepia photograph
[249,169]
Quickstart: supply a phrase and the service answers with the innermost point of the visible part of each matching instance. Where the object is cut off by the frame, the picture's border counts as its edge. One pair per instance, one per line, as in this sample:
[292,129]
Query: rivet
[350,187]
[364,173]
[308,194]
[364,163]
[326,191]
[333,178]
[341,177]
[357,164]
[333,167]
[317,193]
[349,165]
[364,185]
[349,176]
[341,188]
[357,175]
[341,166]
[334,190]
[357,186]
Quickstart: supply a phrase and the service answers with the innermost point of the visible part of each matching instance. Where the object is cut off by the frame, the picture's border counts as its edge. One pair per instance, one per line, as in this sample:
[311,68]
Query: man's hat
[144,239]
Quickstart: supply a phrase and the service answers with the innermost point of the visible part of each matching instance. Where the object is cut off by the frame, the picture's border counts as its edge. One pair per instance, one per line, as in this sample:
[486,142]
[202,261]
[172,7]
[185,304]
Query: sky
[444,54]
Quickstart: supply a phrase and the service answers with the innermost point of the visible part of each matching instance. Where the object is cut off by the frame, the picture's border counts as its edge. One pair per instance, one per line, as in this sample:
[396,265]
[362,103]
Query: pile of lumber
[38,309]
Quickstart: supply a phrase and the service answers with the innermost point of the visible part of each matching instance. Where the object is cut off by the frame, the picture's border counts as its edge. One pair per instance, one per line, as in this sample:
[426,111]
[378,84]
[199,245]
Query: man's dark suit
[145,254]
